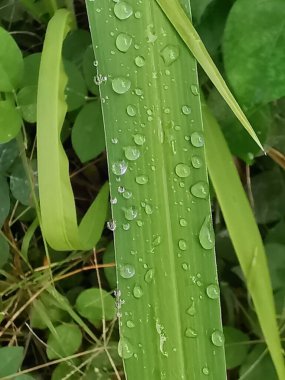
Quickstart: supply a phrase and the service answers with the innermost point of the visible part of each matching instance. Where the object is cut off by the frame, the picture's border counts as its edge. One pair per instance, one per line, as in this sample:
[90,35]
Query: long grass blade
[168,295]
[244,234]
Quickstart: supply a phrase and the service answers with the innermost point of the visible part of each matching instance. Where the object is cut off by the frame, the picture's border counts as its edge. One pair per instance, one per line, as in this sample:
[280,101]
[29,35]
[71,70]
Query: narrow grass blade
[168,295]
[58,212]
[244,234]
[184,27]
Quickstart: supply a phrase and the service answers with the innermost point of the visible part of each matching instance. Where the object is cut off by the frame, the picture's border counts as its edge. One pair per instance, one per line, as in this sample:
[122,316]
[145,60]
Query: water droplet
[137,291]
[185,266]
[156,241]
[182,245]
[197,162]
[205,371]
[138,14]
[131,110]
[138,91]
[192,309]
[190,333]
[148,209]
[132,153]
[139,61]
[139,223]
[170,54]
[127,194]
[121,190]
[123,10]
[149,276]
[130,324]
[121,85]
[218,338]
[111,225]
[125,349]
[127,271]
[182,170]
[126,226]
[142,179]
[200,190]
[194,90]
[213,291]
[206,235]
[183,222]
[123,42]
[131,213]
[186,110]
[119,167]
[197,139]
[113,201]
[139,139]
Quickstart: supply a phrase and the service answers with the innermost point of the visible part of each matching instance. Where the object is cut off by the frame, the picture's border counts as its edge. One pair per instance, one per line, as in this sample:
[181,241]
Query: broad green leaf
[8,154]
[187,32]
[198,8]
[10,360]
[236,344]
[110,273]
[24,377]
[87,134]
[75,90]
[31,70]
[27,102]
[254,51]
[75,45]
[54,182]
[65,342]
[10,120]
[276,262]
[63,370]
[276,234]
[89,305]
[4,200]
[89,70]
[19,183]
[11,63]
[244,233]
[4,251]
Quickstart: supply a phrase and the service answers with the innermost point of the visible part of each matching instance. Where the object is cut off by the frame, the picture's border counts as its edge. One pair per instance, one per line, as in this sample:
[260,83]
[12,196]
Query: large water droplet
[218,338]
[182,170]
[127,271]
[170,54]
[200,190]
[111,225]
[137,291]
[139,139]
[197,162]
[149,276]
[213,291]
[131,213]
[206,235]
[182,245]
[197,139]
[123,10]
[123,42]
[132,153]
[131,110]
[125,349]
[142,179]
[139,61]
[191,333]
[119,167]
[186,110]
[121,85]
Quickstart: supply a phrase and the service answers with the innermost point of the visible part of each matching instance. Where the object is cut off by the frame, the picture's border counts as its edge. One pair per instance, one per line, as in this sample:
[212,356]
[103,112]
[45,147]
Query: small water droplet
[138,15]
[119,167]
[205,371]
[127,194]
[123,42]
[182,170]
[131,213]
[130,324]
[126,226]
[194,90]
[148,209]
[125,349]
[139,139]
[127,271]
[121,190]
[149,276]
[132,153]
[197,162]
[121,85]
[140,61]
[183,222]
[218,338]
[123,10]
[113,201]
[111,225]
[137,291]
[156,241]
[182,245]
[206,235]
[142,179]
[197,139]
[213,291]
[186,110]
[191,333]
[200,190]
[185,266]
[192,309]
[131,110]
[138,91]
[170,54]
[139,223]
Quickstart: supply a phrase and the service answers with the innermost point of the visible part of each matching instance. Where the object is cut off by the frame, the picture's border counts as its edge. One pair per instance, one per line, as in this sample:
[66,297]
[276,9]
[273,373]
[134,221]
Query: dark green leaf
[236,346]
[10,120]
[89,70]
[27,101]
[31,70]
[10,360]
[63,370]
[75,44]
[4,200]
[4,251]
[8,154]
[20,185]
[76,90]
[198,8]
[276,262]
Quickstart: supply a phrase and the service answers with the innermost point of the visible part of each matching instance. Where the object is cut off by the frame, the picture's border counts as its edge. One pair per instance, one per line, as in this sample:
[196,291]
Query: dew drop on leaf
[140,61]
[197,162]
[119,167]
[205,371]
[149,276]
[213,291]
[200,190]
[182,170]
[206,235]
[125,349]
[121,85]
[182,245]
[186,110]
[127,271]
[139,139]
[170,54]
[130,324]
[183,222]
[131,213]
[217,338]
[123,10]
[197,139]
[132,153]
[192,309]
[131,110]
[137,291]
[191,333]
[123,42]
[111,225]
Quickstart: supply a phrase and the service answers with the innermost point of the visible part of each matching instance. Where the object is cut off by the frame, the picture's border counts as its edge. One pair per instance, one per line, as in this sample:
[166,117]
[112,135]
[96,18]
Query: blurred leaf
[4,251]
[236,345]
[75,45]
[254,51]
[11,63]
[31,70]
[76,90]
[66,341]
[11,11]
[4,200]
[89,70]
[276,262]
[88,139]
[20,185]
[10,360]
[24,377]
[198,7]
[280,303]
[276,234]
[89,305]
[10,120]
[110,273]
[63,370]
[27,101]
[8,153]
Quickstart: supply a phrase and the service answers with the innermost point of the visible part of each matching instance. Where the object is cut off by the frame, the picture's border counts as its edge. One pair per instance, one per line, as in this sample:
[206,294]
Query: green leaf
[11,63]
[19,183]
[63,370]
[75,45]
[54,182]
[244,233]
[24,377]
[10,360]
[89,305]
[236,346]
[4,200]
[276,262]
[110,273]
[89,70]
[27,102]
[87,134]
[198,8]
[254,50]
[65,342]
[76,90]
[31,70]
[4,251]
[187,32]
[10,121]
[8,154]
